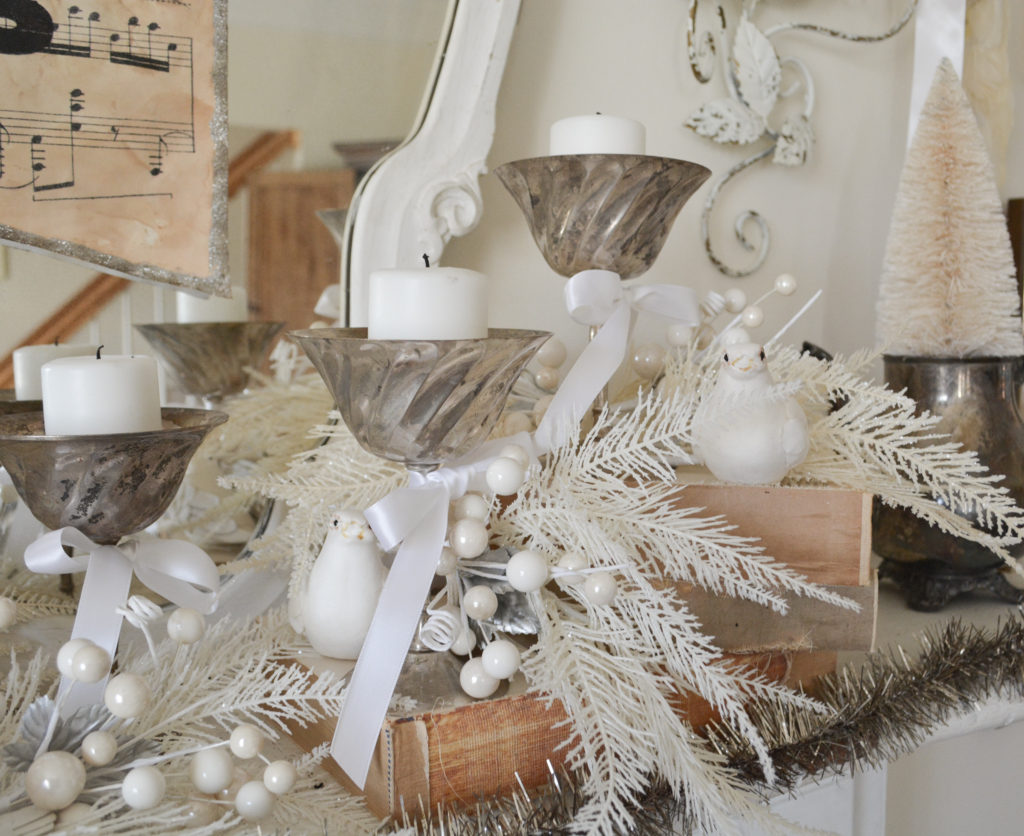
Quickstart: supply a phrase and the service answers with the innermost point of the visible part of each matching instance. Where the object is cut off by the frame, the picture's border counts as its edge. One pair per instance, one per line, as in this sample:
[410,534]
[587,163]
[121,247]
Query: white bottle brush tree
[948,284]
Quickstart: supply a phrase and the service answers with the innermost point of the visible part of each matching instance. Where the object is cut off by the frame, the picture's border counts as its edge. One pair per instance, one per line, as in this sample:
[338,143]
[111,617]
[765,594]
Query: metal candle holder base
[601,211]
[210,359]
[106,486]
[975,399]
[10,405]
[419,402]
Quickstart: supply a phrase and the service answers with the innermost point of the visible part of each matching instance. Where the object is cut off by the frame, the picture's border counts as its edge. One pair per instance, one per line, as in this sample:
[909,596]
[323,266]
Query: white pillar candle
[30,359]
[597,134]
[193,308]
[427,303]
[89,396]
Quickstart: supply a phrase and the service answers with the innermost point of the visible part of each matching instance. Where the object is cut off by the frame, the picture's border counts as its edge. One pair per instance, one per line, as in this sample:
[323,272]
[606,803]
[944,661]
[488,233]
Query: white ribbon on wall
[178,570]
[938,33]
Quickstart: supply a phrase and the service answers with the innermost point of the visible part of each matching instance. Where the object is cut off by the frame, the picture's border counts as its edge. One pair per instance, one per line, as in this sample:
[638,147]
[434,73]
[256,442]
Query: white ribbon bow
[597,297]
[416,517]
[179,571]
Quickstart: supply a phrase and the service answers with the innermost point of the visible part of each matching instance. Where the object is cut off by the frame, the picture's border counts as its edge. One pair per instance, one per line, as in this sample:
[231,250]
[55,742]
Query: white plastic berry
[212,770]
[90,664]
[143,787]
[480,602]
[203,813]
[547,379]
[679,334]
[99,748]
[254,801]
[505,476]
[186,626]
[468,538]
[127,695]
[8,613]
[464,643]
[516,422]
[600,588]
[280,776]
[752,316]
[571,562]
[500,659]
[552,354]
[517,452]
[246,741]
[238,779]
[54,780]
[471,506]
[785,284]
[72,814]
[447,562]
[475,681]
[648,360]
[735,300]
[527,570]
[67,653]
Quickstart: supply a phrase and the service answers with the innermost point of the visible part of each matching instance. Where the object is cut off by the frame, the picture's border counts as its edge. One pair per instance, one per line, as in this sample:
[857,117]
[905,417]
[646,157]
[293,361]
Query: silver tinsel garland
[879,712]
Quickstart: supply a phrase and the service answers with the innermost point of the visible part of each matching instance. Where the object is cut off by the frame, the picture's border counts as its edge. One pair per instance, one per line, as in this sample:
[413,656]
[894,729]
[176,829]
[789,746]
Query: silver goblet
[211,359]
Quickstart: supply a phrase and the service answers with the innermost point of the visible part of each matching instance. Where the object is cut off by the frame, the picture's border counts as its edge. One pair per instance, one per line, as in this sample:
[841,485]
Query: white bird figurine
[743,431]
[340,597]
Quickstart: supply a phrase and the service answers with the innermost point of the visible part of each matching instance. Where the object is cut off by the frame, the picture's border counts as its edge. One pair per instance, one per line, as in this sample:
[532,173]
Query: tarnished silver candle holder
[419,402]
[211,360]
[601,211]
[10,405]
[106,486]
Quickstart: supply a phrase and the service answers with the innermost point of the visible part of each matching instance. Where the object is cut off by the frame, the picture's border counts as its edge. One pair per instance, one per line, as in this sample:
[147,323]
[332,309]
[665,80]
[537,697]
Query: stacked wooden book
[462,753]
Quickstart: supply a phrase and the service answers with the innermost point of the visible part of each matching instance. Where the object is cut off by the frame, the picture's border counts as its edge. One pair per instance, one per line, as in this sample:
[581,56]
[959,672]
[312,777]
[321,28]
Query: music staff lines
[111,133]
[135,45]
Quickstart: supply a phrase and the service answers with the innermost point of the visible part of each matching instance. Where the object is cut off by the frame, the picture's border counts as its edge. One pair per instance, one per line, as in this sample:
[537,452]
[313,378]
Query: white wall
[829,218]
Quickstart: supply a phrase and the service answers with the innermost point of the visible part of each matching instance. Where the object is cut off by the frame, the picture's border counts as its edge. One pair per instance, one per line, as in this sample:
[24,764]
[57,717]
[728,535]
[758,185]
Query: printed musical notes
[113,101]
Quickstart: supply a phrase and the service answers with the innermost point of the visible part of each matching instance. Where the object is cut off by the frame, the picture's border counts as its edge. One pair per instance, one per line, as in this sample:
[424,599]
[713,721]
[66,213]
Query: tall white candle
[193,308]
[89,396]
[597,134]
[29,359]
[427,303]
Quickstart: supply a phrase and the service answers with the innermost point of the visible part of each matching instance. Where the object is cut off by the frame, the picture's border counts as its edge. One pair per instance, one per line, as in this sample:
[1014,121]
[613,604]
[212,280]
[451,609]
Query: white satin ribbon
[415,518]
[179,571]
[938,33]
[597,297]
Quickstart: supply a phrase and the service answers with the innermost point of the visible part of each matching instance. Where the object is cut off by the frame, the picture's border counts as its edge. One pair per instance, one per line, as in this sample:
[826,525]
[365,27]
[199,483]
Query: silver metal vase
[977,400]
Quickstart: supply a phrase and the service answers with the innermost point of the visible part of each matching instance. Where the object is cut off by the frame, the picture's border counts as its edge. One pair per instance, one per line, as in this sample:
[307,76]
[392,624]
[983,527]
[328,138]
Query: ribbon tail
[585,380]
[105,588]
[387,643]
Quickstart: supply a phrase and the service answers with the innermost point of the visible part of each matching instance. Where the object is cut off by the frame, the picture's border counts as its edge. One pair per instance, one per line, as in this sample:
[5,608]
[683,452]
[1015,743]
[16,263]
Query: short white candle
[30,359]
[427,303]
[597,134]
[192,308]
[88,396]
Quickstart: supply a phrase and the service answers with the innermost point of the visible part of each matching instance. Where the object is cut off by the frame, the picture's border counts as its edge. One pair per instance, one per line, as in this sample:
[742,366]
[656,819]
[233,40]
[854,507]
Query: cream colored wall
[829,218]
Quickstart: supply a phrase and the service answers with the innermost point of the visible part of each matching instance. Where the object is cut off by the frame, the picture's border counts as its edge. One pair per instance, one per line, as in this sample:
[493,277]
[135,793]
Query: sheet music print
[49,152]
[100,103]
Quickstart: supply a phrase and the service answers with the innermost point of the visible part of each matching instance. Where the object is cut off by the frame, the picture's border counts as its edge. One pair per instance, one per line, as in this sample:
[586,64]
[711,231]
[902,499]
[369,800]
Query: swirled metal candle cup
[419,402]
[211,359]
[106,486]
[10,405]
[976,400]
[601,211]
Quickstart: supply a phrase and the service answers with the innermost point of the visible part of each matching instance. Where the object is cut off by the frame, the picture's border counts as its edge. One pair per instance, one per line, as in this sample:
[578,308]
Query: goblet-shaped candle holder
[419,402]
[601,211]
[106,486]
[211,359]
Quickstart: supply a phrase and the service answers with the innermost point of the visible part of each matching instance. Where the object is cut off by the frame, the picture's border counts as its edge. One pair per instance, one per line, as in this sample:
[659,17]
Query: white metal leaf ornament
[753,74]
[727,120]
[756,68]
[796,138]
